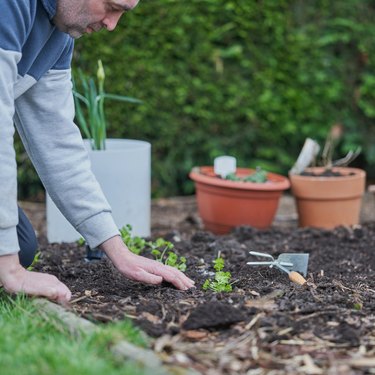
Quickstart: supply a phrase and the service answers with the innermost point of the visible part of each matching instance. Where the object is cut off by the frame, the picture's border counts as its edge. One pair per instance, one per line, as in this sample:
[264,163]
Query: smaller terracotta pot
[224,204]
[328,202]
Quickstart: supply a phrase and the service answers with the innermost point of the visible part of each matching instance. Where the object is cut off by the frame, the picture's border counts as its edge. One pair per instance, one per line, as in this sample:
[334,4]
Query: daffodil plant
[89,106]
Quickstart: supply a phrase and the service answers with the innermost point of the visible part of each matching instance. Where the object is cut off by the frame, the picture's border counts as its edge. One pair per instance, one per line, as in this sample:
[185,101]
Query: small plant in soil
[309,155]
[135,244]
[159,249]
[259,176]
[35,261]
[221,281]
[81,241]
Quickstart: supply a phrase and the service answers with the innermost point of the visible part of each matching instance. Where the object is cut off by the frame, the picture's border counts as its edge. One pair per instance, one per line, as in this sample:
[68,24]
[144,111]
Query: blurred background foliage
[245,78]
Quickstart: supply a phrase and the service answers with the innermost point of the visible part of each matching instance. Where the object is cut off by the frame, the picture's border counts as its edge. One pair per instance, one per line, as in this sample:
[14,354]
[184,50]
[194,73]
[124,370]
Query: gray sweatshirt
[36,96]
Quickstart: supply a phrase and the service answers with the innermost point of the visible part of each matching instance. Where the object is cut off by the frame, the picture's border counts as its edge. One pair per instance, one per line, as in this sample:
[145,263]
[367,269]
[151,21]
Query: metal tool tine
[256,253]
[260,263]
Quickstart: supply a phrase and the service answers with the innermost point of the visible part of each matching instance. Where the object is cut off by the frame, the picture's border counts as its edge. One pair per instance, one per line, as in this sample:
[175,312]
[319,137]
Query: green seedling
[259,176]
[232,177]
[221,281]
[174,261]
[134,243]
[159,249]
[35,261]
[81,241]
[358,306]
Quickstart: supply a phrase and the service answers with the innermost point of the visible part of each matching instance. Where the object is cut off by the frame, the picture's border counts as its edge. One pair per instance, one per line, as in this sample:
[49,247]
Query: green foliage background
[245,78]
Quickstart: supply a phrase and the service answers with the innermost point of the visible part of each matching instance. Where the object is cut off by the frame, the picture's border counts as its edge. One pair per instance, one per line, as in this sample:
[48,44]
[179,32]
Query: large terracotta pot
[224,204]
[328,202]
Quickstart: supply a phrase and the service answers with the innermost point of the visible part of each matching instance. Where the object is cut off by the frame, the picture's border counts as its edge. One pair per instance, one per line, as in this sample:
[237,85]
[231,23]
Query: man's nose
[110,22]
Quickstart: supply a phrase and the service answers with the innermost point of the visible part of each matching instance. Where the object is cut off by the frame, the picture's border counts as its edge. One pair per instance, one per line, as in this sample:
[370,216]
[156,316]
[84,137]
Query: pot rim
[275,181]
[349,173]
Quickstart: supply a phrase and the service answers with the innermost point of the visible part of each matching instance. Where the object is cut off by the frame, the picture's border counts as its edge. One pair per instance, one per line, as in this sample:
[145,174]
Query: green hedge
[246,78]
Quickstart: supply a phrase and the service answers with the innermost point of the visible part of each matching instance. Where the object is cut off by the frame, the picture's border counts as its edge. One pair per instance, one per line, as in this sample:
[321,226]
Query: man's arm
[55,146]
[14,22]
[44,120]
[8,170]
[14,26]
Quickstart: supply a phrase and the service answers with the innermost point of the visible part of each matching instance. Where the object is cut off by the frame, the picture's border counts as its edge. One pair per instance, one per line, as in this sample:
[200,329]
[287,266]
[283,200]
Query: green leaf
[206,285]
[92,121]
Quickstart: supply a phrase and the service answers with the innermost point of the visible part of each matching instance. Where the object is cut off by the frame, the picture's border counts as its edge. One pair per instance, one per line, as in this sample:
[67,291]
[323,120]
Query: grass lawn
[34,344]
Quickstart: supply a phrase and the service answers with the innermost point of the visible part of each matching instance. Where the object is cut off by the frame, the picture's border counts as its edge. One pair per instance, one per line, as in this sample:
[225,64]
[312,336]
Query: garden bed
[266,322]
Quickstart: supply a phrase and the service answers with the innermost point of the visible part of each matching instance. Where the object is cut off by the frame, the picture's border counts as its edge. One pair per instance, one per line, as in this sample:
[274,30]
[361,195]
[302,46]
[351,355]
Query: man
[36,44]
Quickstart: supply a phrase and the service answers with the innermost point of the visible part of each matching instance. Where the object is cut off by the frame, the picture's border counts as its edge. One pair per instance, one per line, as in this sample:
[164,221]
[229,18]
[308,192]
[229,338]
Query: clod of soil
[213,315]
[326,173]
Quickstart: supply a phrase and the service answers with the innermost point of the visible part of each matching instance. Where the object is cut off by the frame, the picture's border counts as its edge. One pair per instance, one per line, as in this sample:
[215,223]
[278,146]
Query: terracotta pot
[328,202]
[225,204]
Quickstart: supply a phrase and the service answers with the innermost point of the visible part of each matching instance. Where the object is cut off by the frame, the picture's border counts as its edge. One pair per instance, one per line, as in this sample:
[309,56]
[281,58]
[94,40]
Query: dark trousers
[27,239]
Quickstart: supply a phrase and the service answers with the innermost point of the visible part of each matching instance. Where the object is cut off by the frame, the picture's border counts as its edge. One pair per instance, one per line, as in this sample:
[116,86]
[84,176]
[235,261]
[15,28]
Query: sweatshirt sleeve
[44,119]
[14,24]
[8,167]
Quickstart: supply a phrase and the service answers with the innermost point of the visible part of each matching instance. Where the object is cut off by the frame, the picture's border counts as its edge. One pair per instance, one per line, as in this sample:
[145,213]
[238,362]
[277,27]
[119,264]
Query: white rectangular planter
[123,171]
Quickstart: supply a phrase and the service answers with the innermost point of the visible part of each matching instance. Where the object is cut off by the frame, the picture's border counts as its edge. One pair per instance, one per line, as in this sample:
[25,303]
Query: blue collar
[50,7]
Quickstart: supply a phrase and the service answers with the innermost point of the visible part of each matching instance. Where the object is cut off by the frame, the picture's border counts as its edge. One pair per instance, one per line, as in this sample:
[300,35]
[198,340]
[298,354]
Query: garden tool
[291,263]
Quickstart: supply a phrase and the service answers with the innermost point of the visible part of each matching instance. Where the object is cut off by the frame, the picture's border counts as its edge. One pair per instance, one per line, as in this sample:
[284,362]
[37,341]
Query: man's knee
[27,239]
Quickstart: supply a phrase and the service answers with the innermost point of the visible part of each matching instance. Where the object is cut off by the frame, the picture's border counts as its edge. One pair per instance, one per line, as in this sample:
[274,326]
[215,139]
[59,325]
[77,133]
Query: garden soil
[266,325]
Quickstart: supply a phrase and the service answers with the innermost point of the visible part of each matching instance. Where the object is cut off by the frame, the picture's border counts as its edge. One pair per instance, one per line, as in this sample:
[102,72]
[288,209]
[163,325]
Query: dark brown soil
[266,323]
[326,173]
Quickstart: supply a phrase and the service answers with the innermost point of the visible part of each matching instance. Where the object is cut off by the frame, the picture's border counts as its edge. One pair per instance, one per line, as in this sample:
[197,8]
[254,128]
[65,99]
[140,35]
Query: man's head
[77,17]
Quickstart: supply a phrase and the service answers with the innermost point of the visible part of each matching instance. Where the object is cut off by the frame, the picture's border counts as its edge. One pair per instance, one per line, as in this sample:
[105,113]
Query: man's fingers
[63,296]
[173,276]
[146,277]
[139,268]
[45,285]
[168,273]
[179,281]
[57,293]
[155,276]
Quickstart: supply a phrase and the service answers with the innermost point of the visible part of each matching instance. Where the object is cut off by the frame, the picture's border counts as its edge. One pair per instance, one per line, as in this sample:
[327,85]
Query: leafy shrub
[238,77]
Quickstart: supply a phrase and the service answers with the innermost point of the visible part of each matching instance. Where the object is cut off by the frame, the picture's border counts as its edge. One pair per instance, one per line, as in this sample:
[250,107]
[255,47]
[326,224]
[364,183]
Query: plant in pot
[328,193]
[228,196]
[121,166]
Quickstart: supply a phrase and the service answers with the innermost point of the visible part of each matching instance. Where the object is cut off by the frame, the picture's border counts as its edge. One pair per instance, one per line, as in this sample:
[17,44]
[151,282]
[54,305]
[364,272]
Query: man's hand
[16,279]
[139,268]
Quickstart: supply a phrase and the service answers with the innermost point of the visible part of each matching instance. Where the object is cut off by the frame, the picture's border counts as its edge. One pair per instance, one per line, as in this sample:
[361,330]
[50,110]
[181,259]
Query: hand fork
[284,266]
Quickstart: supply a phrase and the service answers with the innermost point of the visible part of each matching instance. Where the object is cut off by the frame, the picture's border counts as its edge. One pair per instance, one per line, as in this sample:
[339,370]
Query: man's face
[77,17]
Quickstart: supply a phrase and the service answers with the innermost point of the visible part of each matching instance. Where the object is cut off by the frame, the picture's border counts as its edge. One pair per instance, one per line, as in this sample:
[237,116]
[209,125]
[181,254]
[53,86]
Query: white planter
[123,171]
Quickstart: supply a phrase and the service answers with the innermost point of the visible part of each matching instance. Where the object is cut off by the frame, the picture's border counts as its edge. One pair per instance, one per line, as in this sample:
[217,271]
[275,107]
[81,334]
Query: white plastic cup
[224,165]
